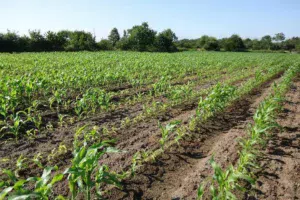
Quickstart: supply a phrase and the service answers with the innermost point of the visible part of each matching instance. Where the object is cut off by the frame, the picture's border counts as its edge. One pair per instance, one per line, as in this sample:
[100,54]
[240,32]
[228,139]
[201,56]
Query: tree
[165,41]
[105,45]
[256,44]
[114,36]
[79,41]
[266,42]
[297,47]
[123,44]
[124,34]
[248,43]
[292,44]
[202,41]
[212,44]
[9,42]
[24,44]
[279,37]
[208,43]
[186,44]
[37,41]
[141,38]
[56,41]
[234,43]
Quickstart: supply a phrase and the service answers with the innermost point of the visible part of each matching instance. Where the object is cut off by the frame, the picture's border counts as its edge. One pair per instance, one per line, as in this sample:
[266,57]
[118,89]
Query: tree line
[138,38]
[235,43]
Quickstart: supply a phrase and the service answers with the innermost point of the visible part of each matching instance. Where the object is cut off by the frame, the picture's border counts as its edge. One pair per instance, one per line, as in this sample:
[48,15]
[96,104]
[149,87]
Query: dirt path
[177,173]
[280,174]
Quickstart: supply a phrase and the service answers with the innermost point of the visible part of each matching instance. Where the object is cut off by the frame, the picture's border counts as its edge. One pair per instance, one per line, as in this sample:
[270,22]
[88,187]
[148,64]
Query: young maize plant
[166,131]
[13,128]
[85,166]
[162,85]
[137,160]
[226,181]
[215,102]
[15,188]
[91,100]
[61,119]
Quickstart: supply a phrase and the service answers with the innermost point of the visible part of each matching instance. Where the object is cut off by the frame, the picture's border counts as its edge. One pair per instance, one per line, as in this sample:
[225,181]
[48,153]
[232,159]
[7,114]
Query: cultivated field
[128,125]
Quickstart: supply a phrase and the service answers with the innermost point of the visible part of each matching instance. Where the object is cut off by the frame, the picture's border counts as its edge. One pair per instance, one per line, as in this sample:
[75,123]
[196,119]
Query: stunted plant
[180,133]
[61,119]
[57,153]
[166,131]
[37,160]
[138,159]
[14,127]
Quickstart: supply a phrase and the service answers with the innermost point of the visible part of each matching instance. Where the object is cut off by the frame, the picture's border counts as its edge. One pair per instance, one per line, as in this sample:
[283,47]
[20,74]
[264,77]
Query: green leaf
[112,150]
[2,184]
[200,192]
[57,178]
[19,184]
[60,197]
[5,192]
[10,174]
[45,177]
[24,197]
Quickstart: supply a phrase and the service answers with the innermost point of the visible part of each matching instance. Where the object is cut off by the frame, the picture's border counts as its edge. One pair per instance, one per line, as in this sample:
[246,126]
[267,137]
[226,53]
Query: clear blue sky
[187,18]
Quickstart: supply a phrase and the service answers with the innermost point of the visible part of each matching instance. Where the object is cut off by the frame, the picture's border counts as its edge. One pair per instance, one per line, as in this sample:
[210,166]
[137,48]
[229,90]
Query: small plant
[61,119]
[38,121]
[125,123]
[16,188]
[215,101]
[193,124]
[138,159]
[57,153]
[14,129]
[224,182]
[200,192]
[86,163]
[180,133]
[20,165]
[31,134]
[36,159]
[166,131]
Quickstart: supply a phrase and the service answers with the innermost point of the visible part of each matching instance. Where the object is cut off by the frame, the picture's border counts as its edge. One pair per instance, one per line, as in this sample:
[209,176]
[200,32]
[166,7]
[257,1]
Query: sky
[187,18]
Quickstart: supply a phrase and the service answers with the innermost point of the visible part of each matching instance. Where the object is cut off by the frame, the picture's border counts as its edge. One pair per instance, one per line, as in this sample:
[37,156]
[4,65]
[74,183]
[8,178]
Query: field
[128,125]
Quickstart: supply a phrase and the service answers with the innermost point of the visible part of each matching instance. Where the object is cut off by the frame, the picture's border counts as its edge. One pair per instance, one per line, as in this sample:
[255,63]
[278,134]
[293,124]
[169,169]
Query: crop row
[225,182]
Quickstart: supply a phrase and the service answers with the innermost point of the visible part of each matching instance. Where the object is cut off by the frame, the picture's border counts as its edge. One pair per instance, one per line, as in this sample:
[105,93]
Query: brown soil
[279,177]
[177,173]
